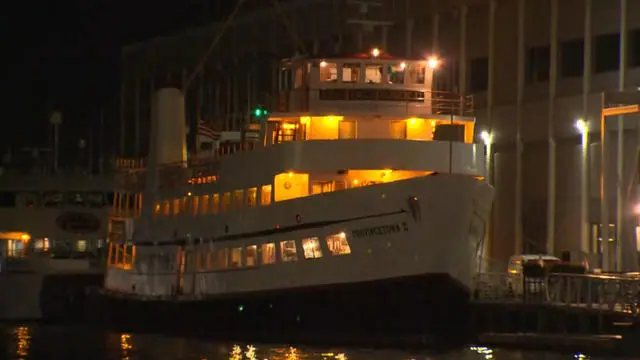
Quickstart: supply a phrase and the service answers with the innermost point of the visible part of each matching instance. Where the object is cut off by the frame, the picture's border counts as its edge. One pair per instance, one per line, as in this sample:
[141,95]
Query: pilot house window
[417,73]
[396,73]
[350,73]
[373,74]
[328,71]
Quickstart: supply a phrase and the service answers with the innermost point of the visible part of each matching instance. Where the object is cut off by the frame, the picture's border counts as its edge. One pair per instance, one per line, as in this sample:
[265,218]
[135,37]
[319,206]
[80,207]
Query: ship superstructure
[360,182]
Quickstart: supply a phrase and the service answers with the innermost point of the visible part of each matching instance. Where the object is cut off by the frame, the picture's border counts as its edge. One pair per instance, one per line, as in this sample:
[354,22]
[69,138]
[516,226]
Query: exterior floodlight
[433,62]
[486,137]
[581,125]
[375,52]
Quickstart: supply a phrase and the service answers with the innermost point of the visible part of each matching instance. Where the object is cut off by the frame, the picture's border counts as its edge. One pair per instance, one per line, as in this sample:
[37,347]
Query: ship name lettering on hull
[380,230]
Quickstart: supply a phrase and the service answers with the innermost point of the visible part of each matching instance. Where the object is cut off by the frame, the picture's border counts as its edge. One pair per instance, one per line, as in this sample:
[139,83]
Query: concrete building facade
[534,67]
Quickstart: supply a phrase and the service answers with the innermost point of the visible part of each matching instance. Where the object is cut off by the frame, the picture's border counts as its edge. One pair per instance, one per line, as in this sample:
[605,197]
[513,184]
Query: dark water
[69,343]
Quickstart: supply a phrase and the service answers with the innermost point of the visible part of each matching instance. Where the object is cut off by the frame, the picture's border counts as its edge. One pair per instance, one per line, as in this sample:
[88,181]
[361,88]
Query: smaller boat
[53,231]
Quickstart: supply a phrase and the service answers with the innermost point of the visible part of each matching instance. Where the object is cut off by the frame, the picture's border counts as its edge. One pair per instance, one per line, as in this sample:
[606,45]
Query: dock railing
[604,292]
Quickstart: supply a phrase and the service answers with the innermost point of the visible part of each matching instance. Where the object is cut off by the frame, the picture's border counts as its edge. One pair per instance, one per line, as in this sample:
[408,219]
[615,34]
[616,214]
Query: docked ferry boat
[53,231]
[355,208]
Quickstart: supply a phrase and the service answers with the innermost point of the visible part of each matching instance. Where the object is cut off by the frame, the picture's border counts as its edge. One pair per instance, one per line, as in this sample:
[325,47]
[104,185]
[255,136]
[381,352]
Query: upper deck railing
[407,102]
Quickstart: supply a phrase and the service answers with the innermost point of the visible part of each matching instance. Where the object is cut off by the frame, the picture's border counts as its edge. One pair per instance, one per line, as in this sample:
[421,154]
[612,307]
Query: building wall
[248,53]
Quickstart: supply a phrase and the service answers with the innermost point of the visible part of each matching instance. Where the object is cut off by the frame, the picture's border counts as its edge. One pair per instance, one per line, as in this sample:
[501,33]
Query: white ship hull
[413,249]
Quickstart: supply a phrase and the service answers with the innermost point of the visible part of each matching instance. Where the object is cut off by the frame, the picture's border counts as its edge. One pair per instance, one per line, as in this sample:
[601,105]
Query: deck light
[375,52]
[433,62]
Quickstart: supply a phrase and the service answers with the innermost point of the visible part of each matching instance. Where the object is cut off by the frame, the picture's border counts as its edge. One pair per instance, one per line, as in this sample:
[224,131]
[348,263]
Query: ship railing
[441,102]
[604,292]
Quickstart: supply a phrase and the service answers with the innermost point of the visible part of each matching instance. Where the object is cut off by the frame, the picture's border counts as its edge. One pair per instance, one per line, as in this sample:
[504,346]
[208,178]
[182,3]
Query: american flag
[205,130]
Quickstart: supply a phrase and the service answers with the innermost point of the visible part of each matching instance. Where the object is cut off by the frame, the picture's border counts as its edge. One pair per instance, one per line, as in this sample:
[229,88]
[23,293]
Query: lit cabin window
[395,73]
[265,195]
[319,187]
[211,259]
[268,253]
[81,245]
[226,202]
[417,73]
[311,247]
[251,255]
[328,71]
[41,245]
[215,203]
[156,208]
[175,207]
[338,244]
[291,186]
[194,204]
[183,204]
[238,196]
[347,130]
[204,204]
[222,259]
[251,197]
[236,258]
[373,74]
[350,73]
[166,208]
[288,251]
[399,129]
[16,248]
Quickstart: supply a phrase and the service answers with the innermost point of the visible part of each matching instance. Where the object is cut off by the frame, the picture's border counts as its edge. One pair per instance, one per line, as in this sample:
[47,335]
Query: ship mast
[365,27]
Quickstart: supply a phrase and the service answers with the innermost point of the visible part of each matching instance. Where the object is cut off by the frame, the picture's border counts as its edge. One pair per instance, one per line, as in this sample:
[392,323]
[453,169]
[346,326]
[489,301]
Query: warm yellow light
[323,63]
[342,235]
[25,237]
[433,62]
[355,181]
[304,120]
[412,121]
[375,52]
[189,193]
[621,110]
[290,173]
[387,171]
[403,65]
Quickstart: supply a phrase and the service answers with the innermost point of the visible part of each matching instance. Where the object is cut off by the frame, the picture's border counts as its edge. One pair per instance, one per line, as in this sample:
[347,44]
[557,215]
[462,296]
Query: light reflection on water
[45,342]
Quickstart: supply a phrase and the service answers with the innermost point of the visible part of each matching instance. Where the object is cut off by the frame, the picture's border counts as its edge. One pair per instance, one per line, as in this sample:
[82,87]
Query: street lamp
[583,129]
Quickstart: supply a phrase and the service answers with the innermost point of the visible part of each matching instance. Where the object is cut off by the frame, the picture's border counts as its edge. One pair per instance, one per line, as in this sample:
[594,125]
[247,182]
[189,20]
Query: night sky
[65,55]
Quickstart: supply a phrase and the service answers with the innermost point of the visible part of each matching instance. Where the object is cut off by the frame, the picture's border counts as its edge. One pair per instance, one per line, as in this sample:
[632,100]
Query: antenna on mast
[366,27]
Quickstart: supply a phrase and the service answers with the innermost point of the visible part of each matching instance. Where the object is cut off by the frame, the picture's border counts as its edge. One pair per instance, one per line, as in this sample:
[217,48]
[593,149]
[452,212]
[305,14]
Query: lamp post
[487,139]
[55,120]
[618,99]
[583,129]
